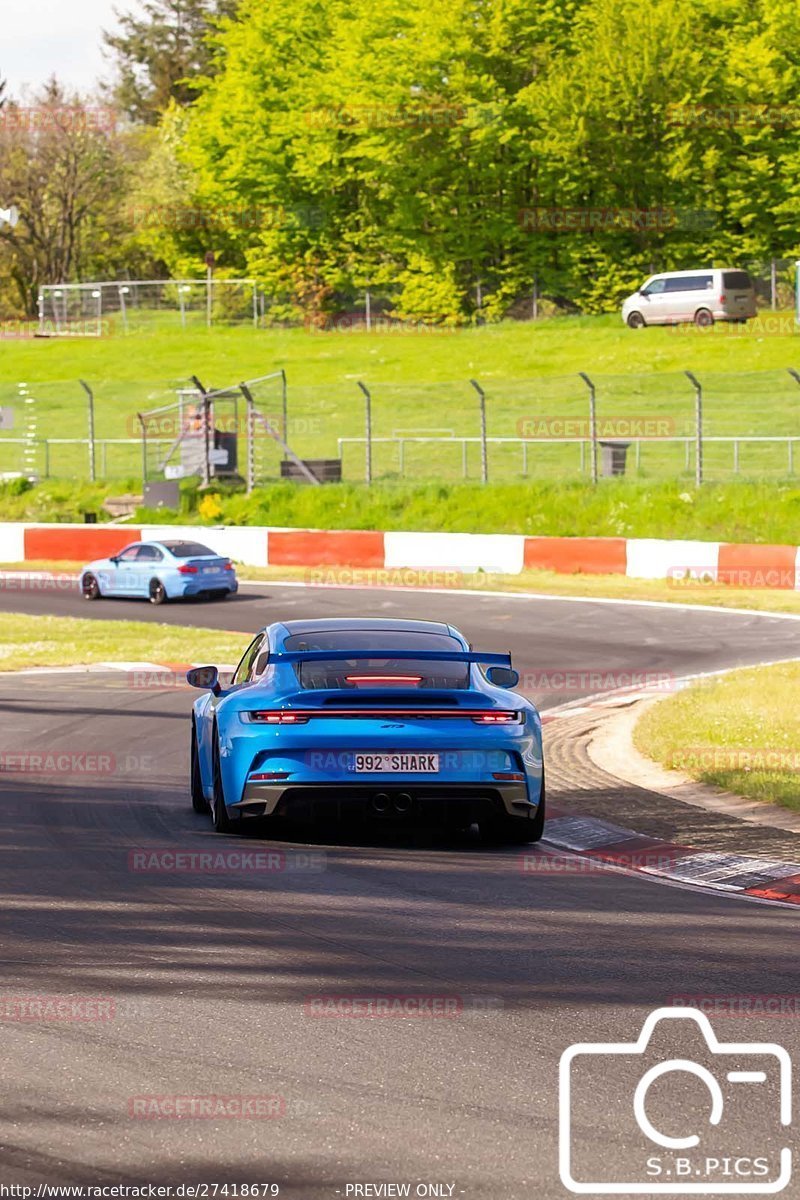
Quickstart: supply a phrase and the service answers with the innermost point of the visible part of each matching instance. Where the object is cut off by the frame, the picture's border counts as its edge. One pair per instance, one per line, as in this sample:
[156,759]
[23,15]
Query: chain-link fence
[706,425]
[102,308]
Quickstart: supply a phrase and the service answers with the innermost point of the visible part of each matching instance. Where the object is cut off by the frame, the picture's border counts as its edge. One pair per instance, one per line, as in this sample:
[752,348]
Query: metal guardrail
[99,443]
[735,440]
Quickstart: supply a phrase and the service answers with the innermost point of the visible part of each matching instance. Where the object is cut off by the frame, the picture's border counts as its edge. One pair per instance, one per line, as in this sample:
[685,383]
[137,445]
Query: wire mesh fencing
[706,426]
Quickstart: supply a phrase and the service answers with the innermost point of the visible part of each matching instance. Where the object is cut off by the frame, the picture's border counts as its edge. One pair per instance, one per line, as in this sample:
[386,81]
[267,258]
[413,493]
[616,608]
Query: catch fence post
[484,458]
[698,427]
[592,421]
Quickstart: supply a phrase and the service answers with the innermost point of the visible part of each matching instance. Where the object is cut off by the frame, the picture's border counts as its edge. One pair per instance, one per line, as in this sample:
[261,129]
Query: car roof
[376,624]
[684,274]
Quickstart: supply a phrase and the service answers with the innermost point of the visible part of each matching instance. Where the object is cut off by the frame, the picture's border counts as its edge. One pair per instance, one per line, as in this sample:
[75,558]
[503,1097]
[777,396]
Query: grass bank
[740,732]
[27,641]
[420,383]
[735,512]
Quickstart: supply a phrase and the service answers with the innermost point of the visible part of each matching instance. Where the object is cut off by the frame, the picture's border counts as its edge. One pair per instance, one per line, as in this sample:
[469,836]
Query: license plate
[397,764]
[210,570]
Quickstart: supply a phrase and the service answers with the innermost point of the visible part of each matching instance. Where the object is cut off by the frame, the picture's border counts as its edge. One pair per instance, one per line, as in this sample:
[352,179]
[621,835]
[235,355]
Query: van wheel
[635,320]
[703,318]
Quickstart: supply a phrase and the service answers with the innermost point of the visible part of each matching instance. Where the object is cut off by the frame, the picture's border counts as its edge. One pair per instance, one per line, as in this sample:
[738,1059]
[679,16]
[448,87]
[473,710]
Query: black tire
[90,588]
[222,822]
[199,802]
[703,319]
[636,321]
[157,592]
[520,831]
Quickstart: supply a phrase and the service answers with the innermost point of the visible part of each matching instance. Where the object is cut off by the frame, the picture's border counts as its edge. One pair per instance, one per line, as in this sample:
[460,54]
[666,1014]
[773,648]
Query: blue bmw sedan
[160,571]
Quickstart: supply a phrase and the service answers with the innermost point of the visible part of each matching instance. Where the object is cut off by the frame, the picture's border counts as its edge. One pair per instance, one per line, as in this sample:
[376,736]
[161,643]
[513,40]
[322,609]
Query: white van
[705,296]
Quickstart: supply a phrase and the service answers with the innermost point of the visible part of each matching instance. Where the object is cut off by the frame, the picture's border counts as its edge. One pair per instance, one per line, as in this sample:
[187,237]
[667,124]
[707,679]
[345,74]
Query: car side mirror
[206,678]
[113,558]
[505,677]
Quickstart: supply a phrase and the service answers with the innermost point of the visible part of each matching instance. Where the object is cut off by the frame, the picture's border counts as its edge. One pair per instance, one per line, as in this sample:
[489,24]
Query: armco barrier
[680,561]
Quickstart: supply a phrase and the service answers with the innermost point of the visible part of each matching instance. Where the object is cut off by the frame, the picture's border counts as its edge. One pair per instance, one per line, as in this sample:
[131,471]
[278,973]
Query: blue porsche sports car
[160,571]
[368,718]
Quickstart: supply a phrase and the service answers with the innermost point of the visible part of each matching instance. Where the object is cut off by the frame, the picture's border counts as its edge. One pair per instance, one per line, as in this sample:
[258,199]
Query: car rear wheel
[199,802]
[90,588]
[157,592]
[703,318]
[636,321]
[520,831]
[222,822]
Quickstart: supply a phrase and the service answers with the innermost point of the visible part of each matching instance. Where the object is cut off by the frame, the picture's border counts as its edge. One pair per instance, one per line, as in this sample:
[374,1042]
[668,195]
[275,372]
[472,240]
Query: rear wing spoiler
[465,656]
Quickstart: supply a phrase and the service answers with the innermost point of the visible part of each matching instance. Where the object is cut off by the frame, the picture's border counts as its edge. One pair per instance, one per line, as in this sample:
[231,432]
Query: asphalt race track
[548,638]
[209,983]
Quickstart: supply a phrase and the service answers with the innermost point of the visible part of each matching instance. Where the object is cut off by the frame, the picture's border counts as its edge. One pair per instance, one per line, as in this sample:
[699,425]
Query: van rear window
[737,280]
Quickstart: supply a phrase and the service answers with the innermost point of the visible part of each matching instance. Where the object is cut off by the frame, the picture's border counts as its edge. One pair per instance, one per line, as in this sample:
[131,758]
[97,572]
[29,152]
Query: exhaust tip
[403,802]
[380,802]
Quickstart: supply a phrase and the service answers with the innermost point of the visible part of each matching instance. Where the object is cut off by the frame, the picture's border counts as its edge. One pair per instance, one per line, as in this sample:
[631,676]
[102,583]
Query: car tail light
[278,717]
[516,776]
[266,776]
[412,679]
[227,565]
[723,298]
[185,569]
[496,718]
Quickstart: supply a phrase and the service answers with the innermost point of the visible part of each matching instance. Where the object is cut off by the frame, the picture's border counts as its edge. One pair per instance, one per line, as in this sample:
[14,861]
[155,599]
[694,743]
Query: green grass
[419,383]
[27,641]
[740,732]
[735,512]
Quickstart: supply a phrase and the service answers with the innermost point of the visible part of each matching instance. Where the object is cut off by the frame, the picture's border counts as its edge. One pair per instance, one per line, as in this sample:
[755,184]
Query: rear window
[737,280]
[690,283]
[381,671]
[189,549]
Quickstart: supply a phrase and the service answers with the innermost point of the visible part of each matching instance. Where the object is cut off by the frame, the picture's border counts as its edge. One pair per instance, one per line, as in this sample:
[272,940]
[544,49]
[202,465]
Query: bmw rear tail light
[276,717]
[185,569]
[227,565]
[496,718]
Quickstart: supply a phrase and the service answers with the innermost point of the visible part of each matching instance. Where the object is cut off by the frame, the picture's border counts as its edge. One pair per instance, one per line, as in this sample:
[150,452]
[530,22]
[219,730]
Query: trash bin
[613,458]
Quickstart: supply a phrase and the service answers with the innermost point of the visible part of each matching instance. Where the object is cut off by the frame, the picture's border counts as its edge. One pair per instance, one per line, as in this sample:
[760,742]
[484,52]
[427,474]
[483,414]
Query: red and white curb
[343,550]
[602,843]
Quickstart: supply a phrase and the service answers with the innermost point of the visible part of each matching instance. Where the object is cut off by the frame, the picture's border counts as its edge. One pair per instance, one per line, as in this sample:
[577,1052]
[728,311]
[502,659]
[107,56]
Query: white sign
[174,471]
[218,458]
[6,418]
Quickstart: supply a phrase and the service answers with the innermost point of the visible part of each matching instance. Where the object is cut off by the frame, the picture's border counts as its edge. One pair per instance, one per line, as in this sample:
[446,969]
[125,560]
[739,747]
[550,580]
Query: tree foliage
[161,54]
[65,173]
